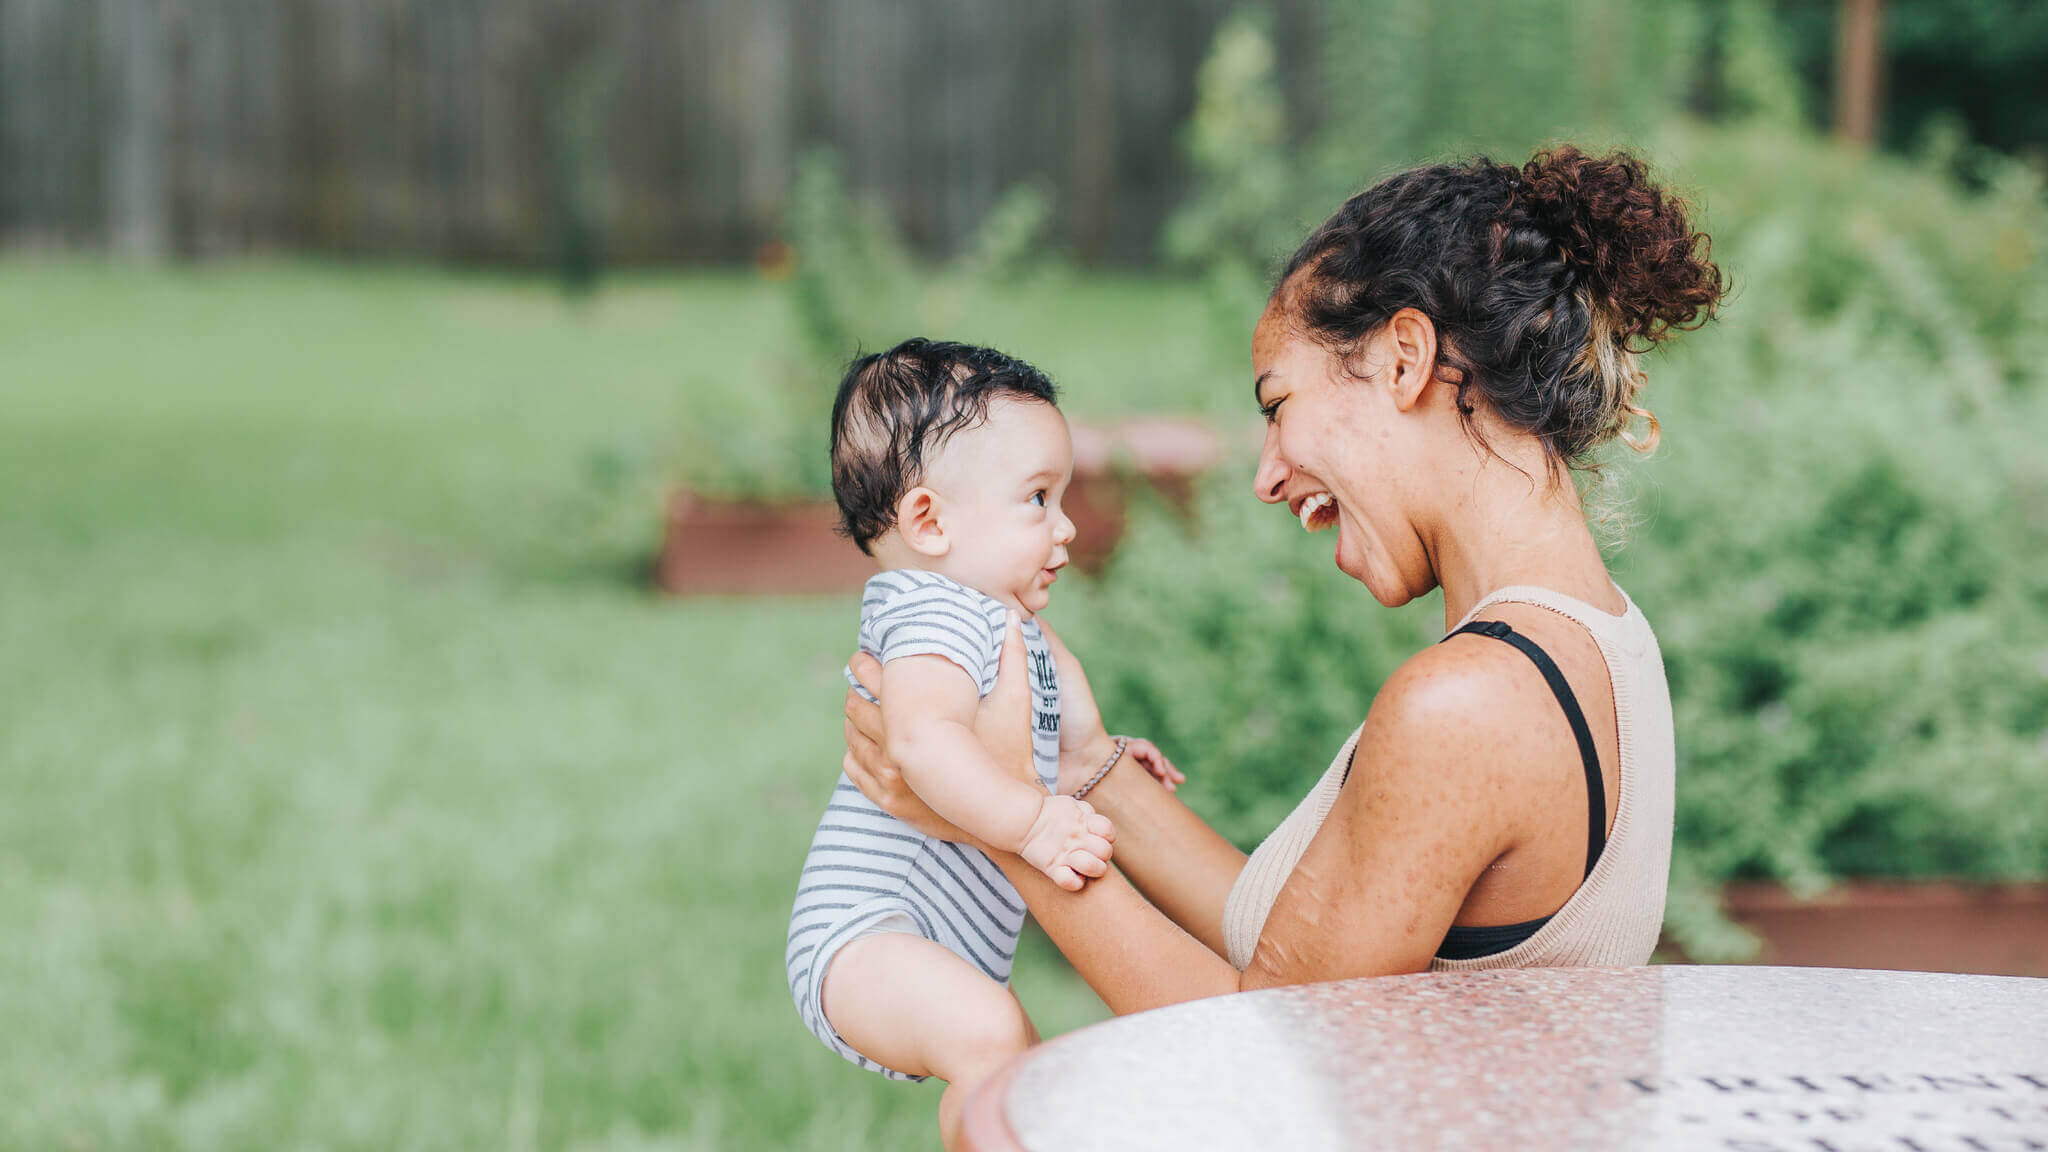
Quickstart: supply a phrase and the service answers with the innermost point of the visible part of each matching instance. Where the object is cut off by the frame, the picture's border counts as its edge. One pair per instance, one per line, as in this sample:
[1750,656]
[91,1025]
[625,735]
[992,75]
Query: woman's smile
[1318,510]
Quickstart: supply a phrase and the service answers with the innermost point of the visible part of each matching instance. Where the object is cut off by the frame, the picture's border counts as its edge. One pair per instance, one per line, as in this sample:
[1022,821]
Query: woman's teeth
[1311,507]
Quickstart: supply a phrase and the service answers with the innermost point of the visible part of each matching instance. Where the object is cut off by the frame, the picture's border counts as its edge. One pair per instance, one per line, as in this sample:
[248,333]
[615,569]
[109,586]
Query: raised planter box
[1998,930]
[731,547]
[727,547]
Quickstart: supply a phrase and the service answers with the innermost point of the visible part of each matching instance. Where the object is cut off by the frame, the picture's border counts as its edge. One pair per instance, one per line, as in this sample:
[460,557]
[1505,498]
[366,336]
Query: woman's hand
[1002,723]
[870,768]
[1084,745]
[1080,718]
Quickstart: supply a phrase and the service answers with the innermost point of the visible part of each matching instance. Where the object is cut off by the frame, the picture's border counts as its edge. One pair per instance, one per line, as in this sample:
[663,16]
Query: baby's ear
[917,520]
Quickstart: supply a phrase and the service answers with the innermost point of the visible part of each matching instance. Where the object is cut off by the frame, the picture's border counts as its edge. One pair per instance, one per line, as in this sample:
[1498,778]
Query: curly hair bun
[1545,281]
[1646,268]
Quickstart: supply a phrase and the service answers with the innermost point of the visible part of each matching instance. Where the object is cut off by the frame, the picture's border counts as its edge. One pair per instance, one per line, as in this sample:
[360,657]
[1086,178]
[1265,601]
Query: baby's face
[1001,485]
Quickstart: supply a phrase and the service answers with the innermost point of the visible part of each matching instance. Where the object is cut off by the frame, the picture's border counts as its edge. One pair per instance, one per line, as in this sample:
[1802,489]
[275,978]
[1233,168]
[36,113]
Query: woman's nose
[1272,474]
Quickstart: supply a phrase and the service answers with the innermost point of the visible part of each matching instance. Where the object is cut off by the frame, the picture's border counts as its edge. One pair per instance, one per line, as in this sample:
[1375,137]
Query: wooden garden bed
[726,547]
[1938,926]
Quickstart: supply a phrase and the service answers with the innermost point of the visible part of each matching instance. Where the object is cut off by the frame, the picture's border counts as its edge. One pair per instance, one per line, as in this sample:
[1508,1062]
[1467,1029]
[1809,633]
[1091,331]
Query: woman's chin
[1353,562]
[1349,558]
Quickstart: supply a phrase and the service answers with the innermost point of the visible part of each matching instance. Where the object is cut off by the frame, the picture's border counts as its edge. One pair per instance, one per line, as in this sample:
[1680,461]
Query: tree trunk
[1859,71]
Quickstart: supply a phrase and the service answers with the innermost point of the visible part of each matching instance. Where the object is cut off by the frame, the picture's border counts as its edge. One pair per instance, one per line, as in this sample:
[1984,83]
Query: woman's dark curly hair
[1544,282]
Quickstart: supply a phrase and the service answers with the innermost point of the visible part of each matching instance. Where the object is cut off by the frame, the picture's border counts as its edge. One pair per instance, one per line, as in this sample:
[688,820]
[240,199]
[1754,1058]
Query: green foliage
[853,279]
[1405,81]
[1237,142]
[855,287]
[1845,554]
[853,273]
[1757,82]
[1240,221]
[1399,82]
[1821,231]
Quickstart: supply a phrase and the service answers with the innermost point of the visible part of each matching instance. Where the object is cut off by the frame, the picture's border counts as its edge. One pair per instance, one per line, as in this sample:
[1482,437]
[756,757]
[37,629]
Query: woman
[1434,362]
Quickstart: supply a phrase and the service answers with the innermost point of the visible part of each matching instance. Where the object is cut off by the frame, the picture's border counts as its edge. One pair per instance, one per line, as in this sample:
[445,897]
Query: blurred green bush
[852,286]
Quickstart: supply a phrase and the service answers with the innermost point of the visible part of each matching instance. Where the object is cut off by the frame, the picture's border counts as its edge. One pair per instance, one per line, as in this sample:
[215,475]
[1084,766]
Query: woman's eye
[1038,497]
[1271,411]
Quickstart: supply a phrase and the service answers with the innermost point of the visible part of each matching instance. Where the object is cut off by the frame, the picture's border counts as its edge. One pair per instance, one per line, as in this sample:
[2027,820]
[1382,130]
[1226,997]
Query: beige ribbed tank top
[1614,917]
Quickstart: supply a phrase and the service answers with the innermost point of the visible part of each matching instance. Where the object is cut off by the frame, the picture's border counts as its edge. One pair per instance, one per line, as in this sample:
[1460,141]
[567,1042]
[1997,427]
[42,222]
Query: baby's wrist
[1042,827]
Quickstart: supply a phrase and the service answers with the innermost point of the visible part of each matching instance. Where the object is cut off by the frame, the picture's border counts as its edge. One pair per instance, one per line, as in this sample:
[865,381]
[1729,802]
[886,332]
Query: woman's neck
[1507,530]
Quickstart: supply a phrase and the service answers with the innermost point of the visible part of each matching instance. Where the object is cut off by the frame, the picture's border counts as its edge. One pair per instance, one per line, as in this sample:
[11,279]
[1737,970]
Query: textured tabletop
[1737,1059]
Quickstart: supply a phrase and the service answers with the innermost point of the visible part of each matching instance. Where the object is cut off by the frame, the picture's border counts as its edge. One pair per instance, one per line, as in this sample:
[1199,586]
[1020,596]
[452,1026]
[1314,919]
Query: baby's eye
[1038,497]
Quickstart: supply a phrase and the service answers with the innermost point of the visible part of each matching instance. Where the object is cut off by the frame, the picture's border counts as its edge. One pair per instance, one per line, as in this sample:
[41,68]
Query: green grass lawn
[357,795]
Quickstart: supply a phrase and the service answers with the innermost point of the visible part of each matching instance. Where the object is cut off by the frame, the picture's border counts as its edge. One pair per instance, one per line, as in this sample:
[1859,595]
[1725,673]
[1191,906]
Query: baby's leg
[912,1005]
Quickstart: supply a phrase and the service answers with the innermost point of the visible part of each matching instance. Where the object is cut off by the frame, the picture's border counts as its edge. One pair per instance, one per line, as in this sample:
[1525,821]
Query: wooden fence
[487,129]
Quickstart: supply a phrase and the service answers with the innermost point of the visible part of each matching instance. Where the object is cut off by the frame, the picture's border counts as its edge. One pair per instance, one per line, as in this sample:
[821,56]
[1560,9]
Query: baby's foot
[1154,761]
[1069,842]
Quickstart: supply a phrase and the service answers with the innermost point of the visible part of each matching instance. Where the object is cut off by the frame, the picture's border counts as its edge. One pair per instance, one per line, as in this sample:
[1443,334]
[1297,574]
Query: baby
[949,463]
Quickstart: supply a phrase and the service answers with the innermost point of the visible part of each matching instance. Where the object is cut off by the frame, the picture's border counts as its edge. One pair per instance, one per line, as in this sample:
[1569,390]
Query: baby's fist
[1069,842]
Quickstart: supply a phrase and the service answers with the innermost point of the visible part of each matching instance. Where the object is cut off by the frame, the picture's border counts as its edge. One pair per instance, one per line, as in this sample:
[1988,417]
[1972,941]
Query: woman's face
[1344,450]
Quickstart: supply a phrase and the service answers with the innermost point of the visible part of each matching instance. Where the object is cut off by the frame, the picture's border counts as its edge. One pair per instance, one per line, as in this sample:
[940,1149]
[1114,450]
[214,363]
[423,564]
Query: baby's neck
[892,554]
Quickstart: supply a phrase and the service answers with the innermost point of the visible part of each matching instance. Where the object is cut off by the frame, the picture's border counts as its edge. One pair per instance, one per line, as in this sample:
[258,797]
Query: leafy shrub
[1404,81]
[1843,540]
[1241,219]
[854,287]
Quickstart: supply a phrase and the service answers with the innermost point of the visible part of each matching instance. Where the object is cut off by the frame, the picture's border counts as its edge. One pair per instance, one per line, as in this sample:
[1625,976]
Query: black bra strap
[1596,790]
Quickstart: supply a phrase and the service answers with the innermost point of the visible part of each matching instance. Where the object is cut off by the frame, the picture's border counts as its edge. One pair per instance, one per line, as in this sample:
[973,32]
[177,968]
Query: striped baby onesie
[868,871]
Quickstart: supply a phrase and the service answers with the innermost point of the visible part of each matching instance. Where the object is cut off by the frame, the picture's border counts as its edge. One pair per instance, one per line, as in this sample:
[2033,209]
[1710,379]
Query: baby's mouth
[1318,511]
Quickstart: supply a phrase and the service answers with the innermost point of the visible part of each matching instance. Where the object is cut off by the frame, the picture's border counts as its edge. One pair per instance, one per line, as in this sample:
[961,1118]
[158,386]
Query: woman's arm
[1183,866]
[1124,947]
[1435,797]
[1439,789]
[1180,864]
[1428,807]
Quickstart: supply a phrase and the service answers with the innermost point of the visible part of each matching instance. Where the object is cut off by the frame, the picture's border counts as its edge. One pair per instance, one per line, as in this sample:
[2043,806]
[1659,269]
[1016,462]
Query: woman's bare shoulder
[1430,801]
[1455,721]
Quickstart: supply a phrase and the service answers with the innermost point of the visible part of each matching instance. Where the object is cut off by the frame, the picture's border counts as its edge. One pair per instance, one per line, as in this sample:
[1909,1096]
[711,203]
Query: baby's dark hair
[1545,282]
[896,408]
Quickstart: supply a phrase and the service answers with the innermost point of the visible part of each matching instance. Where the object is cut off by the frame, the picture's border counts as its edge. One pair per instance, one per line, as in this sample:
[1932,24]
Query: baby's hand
[1068,842]
[1148,754]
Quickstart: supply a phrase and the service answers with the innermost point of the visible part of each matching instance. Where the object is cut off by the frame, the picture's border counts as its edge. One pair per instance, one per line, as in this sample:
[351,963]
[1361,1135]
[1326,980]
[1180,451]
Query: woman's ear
[1411,343]
[917,521]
